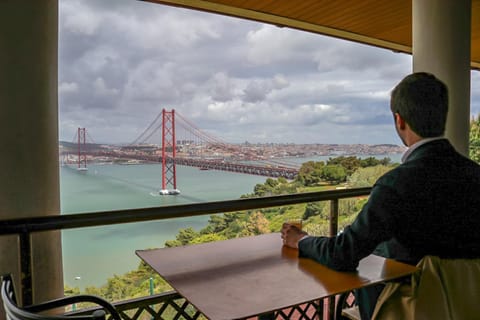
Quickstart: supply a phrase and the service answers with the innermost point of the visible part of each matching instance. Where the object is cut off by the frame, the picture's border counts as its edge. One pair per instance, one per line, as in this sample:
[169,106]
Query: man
[429,205]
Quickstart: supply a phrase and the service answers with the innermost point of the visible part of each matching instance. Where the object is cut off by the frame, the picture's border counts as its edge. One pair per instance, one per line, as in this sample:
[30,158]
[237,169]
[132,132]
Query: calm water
[92,255]
[95,254]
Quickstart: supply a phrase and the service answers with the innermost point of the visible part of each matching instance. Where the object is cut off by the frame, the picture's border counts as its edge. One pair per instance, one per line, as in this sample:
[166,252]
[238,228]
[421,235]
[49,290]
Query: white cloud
[280,82]
[78,18]
[101,88]
[269,44]
[98,57]
[152,80]
[67,87]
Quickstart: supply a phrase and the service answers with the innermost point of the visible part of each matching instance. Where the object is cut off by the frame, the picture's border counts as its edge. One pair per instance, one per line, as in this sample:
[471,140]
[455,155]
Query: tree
[265,189]
[350,164]
[172,243]
[211,237]
[282,180]
[310,173]
[256,224]
[272,183]
[346,208]
[369,162]
[184,237]
[69,291]
[285,188]
[272,187]
[334,173]
[216,223]
[474,151]
[133,284]
[260,190]
[220,223]
[313,209]
[386,161]
[366,177]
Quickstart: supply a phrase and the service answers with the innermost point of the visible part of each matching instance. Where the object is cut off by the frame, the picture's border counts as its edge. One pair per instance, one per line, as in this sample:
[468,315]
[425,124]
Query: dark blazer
[429,205]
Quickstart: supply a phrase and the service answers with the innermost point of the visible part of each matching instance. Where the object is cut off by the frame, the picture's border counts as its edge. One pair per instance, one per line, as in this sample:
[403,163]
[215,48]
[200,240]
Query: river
[92,255]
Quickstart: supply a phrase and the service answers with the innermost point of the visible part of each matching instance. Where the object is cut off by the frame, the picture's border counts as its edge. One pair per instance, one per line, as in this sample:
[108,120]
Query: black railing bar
[333,217]
[25,267]
[80,220]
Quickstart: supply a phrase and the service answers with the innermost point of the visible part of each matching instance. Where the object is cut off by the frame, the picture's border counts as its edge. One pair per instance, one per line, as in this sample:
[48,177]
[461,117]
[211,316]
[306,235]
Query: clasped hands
[291,235]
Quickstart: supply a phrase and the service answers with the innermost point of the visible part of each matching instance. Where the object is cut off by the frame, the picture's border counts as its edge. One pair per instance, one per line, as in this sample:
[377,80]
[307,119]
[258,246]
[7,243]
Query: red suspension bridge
[173,140]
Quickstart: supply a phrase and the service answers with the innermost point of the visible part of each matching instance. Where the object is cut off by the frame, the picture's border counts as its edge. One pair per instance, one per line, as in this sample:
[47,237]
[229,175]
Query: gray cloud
[122,61]
[257,90]
[222,88]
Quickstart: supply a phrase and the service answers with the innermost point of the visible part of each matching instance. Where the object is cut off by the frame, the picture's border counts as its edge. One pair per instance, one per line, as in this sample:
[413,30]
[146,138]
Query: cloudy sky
[122,61]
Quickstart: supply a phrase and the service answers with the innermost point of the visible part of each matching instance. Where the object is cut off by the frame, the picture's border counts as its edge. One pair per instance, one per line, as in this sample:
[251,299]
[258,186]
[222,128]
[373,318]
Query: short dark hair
[422,101]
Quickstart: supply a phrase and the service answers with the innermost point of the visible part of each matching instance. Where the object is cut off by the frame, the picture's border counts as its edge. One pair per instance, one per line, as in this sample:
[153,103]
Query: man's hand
[291,235]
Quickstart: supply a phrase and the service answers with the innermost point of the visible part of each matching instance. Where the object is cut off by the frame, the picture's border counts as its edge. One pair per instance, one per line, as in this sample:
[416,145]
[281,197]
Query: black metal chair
[34,312]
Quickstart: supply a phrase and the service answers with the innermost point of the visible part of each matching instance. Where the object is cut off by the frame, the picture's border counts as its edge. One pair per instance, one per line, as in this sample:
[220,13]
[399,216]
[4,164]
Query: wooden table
[244,277]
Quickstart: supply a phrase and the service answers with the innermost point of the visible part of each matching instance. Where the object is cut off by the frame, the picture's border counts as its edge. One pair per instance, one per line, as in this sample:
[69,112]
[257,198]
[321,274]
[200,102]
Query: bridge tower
[169,172]
[82,156]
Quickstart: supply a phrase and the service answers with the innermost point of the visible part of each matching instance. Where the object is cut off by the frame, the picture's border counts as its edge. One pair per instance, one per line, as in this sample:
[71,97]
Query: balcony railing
[171,305]
[156,306]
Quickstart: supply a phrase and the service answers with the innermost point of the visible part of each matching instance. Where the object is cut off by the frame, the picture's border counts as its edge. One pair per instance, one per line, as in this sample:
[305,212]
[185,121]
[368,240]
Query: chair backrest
[14,312]
[443,289]
[452,286]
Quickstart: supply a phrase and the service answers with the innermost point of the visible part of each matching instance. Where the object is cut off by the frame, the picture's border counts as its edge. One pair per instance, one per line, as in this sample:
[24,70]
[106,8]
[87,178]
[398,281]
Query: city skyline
[121,62]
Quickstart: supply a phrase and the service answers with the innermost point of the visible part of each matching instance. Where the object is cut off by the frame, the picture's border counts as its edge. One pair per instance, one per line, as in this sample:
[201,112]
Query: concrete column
[441,45]
[29,172]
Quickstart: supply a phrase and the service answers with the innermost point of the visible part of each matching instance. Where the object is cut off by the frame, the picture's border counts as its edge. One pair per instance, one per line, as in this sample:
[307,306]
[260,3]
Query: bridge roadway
[274,171]
[267,171]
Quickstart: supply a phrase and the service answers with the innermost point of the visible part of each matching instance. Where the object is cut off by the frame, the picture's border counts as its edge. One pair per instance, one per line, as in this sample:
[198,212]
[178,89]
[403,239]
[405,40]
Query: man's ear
[399,121]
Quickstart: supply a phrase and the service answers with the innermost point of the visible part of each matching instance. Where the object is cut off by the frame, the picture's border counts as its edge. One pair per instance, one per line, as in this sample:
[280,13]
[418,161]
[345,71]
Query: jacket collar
[408,154]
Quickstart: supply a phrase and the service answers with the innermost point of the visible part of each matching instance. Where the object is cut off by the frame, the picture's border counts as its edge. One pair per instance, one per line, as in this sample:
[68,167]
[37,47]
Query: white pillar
[441,45]
[29,173]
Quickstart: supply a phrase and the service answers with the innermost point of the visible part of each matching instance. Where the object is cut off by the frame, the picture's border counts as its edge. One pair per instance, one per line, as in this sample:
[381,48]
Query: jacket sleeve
[374,224]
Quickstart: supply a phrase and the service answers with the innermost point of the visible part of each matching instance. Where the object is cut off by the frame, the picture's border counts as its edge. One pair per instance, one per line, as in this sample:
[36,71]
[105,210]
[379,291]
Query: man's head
[421,100]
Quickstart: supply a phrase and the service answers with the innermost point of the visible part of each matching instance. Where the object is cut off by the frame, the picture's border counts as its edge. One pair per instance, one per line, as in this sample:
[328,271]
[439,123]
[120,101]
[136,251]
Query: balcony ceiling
[381,23]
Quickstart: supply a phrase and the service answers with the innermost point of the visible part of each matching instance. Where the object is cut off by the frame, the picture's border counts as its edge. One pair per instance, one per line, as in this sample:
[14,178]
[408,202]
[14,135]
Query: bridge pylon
[169,171]
[82,155]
